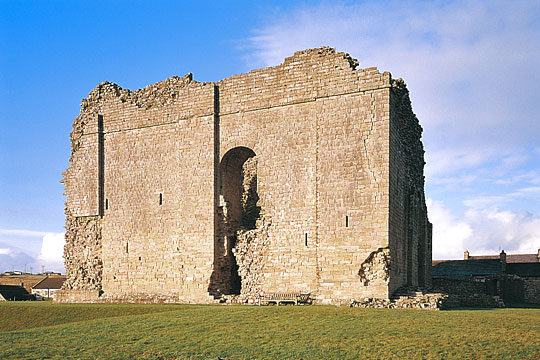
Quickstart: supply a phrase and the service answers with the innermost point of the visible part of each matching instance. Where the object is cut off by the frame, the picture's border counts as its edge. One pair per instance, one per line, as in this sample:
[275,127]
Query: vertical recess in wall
[409,240]
[317,181]
[212,284]
[421,242]
[101,167]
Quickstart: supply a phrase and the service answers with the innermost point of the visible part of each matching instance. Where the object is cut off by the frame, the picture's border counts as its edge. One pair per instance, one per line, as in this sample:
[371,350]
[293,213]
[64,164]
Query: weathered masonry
[306,177]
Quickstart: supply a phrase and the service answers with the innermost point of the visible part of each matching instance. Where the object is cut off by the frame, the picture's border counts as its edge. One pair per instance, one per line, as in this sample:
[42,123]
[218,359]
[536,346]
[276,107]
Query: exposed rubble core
[250,209]
[249,252]
[376,266]
[82,253]
[243,232]
[252,238]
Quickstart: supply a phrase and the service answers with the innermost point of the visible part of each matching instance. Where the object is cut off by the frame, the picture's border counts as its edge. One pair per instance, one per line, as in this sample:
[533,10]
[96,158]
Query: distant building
[510,258]
[14,293]
[48,286]
[25,280]
[514,278]
[13,273]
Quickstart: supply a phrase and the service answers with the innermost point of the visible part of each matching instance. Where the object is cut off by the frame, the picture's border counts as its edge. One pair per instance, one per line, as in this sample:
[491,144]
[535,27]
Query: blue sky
[471,66]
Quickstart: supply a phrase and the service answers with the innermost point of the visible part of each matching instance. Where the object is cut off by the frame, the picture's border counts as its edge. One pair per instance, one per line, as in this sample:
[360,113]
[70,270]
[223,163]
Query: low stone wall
[480,301]
[520,290]
[469,292]
[512,289]
[77,296]
[97,296]
[143,298]
[459,286]
[531,291]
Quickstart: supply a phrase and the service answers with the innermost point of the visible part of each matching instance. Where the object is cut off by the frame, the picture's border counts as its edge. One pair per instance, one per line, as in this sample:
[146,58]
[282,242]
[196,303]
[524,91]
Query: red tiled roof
[50,283]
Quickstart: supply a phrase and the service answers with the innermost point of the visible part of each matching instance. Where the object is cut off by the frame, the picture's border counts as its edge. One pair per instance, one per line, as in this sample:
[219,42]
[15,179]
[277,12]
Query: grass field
[42,330]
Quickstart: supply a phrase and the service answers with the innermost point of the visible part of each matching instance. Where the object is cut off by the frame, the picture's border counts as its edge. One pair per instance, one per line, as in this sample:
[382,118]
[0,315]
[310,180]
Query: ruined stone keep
[306,177]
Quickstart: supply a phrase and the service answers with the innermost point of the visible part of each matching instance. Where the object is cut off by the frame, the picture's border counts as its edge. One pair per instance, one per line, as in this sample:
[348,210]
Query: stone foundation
[78,296]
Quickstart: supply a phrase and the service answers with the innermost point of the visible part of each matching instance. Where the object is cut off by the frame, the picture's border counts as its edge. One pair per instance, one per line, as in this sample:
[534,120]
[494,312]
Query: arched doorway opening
[237,211]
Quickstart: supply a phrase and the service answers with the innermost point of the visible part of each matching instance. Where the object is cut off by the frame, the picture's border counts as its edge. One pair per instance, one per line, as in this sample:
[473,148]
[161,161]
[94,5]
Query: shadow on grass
[509,305]
[471,308]
[518,305]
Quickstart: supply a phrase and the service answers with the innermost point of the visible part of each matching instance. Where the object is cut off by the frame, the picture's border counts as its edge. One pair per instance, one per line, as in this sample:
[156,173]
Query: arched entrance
[237,211]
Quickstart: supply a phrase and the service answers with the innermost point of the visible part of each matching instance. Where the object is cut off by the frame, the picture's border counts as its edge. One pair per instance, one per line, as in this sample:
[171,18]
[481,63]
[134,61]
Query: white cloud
[481,202]
[494,229]
[465,63]
[450,234]
[454,181]
[514,161]
[19,232]
[482,231]
[52,251]
[472,68]
[13,257]
[531,191]
[449,161]
[532,177]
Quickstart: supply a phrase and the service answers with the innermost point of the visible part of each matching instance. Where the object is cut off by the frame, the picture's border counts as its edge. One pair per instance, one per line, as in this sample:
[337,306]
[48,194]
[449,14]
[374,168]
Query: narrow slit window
[346,221]
[160,198]
[106,204]
[127,248]
[305,239]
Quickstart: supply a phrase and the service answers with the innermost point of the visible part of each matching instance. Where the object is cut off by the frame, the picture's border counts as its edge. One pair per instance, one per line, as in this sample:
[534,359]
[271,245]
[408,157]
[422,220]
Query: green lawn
[50,331]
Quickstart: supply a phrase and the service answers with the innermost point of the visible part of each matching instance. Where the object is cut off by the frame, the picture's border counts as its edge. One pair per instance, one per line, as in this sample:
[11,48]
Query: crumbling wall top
[322,51]
[306,76]
[152,95]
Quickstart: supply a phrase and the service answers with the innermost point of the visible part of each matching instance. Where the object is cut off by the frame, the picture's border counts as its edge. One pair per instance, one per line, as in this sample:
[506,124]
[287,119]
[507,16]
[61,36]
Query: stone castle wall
[303,177]
[410,230]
